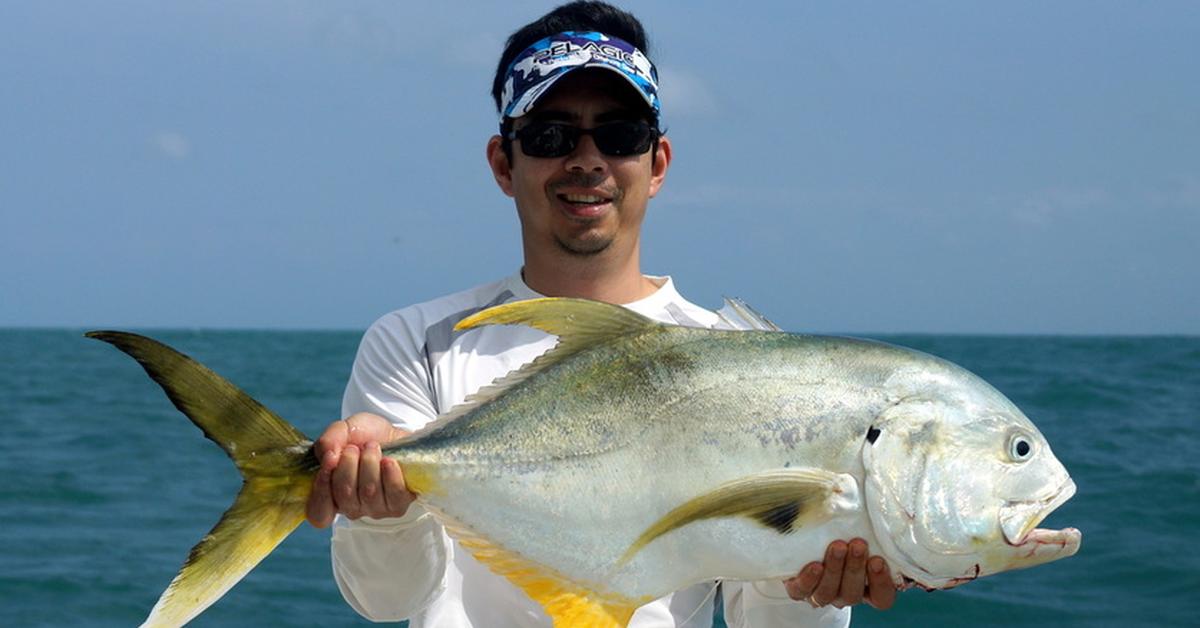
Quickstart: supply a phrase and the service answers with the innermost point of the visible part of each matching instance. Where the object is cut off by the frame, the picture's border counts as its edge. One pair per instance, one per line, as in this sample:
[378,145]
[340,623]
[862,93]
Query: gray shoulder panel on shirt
[681,318]
[440,335]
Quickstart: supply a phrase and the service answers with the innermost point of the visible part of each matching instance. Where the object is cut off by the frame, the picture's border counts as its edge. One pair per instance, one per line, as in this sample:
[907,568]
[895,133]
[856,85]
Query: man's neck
[588,278]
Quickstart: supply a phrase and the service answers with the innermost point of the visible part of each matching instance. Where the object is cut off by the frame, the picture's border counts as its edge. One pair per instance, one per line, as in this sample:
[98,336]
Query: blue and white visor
[540,66]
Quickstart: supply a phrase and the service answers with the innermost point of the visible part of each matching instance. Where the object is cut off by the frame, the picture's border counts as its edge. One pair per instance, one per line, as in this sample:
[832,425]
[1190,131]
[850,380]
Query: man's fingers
[395,492]
[831,581]
[345,483]
[320,509]
[350,479]
[802,586]
[370,493]
[881,591]
[333,439]
[854,577]
[363,428]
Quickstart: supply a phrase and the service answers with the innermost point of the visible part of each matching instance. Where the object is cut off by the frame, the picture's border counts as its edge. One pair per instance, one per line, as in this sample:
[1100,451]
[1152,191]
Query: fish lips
[1019,520]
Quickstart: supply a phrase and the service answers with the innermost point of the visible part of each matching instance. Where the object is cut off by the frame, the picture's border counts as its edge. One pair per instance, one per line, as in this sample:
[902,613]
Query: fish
[636,458]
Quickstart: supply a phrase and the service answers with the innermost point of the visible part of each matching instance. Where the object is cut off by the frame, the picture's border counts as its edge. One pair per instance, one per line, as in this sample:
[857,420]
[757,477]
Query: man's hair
[582,15]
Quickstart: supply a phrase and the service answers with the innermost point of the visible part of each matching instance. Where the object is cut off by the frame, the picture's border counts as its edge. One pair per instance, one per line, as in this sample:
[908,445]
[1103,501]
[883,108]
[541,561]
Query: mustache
[584,180]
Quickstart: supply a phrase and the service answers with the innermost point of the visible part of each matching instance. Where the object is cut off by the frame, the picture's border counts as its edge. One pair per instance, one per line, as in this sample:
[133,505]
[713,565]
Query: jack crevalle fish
[637,458]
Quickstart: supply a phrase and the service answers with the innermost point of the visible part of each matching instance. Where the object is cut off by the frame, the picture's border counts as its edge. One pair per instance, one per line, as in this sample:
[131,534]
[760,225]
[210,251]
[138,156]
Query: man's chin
[584,247]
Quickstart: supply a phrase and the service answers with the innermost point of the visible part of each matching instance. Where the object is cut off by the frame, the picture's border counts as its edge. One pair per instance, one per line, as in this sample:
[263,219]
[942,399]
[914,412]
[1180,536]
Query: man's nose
[586,157]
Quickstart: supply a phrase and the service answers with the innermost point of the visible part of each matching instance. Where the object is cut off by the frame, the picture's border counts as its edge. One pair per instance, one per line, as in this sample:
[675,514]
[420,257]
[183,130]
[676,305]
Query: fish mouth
[1019,520]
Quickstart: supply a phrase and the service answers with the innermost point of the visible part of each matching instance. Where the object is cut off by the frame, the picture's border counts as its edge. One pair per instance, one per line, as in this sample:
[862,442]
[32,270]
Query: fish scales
[620,434]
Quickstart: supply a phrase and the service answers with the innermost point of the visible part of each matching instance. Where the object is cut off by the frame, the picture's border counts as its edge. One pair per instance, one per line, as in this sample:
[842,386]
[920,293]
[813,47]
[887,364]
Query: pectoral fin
[782,500]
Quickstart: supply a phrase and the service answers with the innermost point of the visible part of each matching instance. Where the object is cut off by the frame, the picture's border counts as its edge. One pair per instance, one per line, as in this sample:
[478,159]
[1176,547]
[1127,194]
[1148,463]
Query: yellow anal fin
[569,609]
[783,500]
[569,604]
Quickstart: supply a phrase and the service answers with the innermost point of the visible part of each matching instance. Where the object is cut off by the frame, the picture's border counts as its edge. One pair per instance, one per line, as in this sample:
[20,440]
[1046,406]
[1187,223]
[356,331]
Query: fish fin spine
[739,315]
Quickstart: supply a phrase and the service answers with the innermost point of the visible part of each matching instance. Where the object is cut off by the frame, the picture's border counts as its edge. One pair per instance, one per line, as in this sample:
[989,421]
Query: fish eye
[1020,448]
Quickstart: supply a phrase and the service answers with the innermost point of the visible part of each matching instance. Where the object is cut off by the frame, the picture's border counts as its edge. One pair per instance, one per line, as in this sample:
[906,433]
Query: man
[581,154]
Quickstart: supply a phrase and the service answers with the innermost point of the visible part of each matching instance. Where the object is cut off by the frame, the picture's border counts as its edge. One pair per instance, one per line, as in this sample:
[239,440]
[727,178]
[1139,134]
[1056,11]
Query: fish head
[957,480]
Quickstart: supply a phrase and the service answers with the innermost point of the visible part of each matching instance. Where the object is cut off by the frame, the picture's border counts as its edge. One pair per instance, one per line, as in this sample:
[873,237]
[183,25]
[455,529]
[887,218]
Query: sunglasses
[556,139]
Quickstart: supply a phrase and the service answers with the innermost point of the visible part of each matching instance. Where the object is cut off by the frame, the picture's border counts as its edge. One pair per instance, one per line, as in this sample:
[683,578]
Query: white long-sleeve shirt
[411,367]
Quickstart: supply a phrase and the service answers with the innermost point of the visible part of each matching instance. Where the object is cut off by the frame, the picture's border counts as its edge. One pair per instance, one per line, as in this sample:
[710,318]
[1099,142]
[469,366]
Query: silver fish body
[636,458]
[571,465]
[620,437]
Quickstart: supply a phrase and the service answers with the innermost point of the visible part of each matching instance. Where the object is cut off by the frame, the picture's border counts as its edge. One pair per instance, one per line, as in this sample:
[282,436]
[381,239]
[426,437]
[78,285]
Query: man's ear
[658,167]
[498,161]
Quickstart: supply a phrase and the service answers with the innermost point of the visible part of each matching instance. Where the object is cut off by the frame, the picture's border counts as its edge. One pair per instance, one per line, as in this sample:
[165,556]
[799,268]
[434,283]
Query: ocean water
[106,486]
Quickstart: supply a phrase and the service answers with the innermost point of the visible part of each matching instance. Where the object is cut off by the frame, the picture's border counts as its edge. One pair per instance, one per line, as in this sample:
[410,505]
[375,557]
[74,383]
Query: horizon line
[342,330]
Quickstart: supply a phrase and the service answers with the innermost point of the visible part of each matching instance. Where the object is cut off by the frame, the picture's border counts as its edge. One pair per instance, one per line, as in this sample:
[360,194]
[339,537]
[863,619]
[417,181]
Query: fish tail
[275,459]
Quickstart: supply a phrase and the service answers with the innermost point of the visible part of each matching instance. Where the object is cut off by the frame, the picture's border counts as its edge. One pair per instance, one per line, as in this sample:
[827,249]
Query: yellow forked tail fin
[275,460]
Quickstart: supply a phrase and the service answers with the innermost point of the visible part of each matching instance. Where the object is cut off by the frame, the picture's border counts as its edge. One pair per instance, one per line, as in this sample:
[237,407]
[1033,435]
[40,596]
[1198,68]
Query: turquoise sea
[106,486]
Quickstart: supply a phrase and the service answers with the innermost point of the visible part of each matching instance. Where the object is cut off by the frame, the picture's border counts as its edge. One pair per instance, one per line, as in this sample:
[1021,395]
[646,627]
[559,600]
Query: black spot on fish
[872,434]
[780,518]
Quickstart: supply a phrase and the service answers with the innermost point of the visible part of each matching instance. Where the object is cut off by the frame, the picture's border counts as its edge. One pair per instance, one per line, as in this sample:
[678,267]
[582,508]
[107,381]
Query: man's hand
[847,577]
[355,479]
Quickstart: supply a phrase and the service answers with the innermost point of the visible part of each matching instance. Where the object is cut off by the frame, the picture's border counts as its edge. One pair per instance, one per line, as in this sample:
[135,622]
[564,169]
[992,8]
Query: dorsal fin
[739,315]
[578,323]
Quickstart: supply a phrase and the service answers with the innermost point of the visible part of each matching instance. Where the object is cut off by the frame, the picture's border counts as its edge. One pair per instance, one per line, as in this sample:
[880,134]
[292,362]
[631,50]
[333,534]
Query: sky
[847,167]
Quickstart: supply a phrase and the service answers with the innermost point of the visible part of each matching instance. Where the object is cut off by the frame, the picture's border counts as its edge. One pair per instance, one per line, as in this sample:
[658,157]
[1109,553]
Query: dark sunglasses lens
[547,140]
[618,139]
[623,138]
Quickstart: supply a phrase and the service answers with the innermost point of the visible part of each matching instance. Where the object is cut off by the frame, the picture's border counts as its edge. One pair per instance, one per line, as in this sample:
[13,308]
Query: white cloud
[721,194]
[1044,206]
[360,30]
[685,94]
[171,144]
[1180,191]
[478,50]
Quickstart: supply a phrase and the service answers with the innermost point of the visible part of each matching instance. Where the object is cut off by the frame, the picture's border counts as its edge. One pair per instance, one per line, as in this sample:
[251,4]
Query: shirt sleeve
[765,603]
[690,607]
[390,569]
[391,377]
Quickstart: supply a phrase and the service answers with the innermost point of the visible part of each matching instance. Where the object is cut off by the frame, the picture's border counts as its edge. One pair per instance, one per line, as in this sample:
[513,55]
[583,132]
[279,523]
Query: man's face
[584,203]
